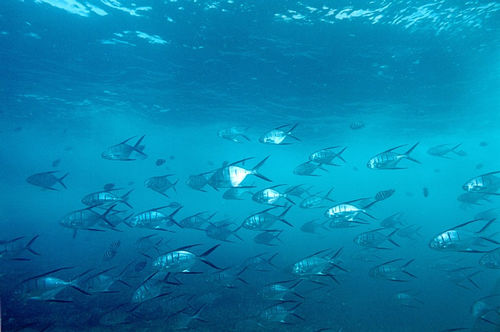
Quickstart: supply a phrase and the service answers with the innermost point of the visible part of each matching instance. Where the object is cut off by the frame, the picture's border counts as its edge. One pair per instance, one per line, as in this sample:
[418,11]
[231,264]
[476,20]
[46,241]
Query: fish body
[46,180]
[263,220]
[343,211]
[124,151]
[197,182]
[390,159]
[236,193]
[234,134]
[375,239]
[326,156]
[443,150]
[392,271]
[160,184]
[486,183]
[229,176]
[278,135]
[491,259]
[461,240]
[307,169]
[105,197]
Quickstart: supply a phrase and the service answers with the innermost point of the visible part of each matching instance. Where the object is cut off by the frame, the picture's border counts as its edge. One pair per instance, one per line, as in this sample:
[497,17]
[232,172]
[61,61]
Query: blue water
[78,77]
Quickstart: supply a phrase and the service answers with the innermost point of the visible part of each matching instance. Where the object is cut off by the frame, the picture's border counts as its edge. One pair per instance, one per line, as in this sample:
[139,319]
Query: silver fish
[390,159]
[124,151]
[393,221]
[327,156]
[278,135]
[154,219]
[270,195]
[181,260]
[460,240]
[12,249]
[230,175]
[221,231]
[196,221]
[267,236]
[106,197]
[85,219]
[485,183]
[318,264]
[198,181]
[316,201]
[236,193]
[491,259]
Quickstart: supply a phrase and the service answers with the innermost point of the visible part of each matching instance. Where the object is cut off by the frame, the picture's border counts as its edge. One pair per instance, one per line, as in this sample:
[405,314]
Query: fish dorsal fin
[394,148]
[355,200]
[186,247]
[128,139]
[317,253]
[388,262]
[465,224]
[240,161]
[282,126]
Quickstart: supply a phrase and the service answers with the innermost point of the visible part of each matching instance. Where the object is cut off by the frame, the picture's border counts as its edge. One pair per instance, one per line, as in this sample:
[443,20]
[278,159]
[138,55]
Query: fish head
[437,242]
[470,186]
[372,163]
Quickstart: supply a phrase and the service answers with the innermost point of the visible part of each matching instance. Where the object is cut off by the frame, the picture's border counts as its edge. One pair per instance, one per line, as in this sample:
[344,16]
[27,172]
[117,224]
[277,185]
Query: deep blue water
[78,77]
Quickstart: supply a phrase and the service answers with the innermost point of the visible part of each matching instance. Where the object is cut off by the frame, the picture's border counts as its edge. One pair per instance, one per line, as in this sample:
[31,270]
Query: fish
[231,175]
[392,271]
[278,135]
[320,263]
[425,192]
[112,250]
[267,236]
[181,261]
[327,156]
[47,180]
[357,125]
[124,151]
[486,183]
[270,195]
[410,232]
[312,226]
[106,197]
[263,220]
[316,201]
[237,193]
[56,163]
[347,210]
[139,266]
[384,194]
[459,240]
[298,190]
[407,299]
[160,162]
[160,184]
[196,221]
[375,239]
[307,169]
[198,181]
[473,198]
[393,221]
[443,150]
[108,186]
[234,134]
[279,291]
[487,309]
[45,287]
[390,159]
[14,248]
[491,259]
[220,231]
[154,219]
[278,313]
[85,219]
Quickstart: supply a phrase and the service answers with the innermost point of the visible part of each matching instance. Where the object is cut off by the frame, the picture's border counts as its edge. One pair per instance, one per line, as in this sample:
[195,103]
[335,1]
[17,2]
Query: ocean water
[205,83]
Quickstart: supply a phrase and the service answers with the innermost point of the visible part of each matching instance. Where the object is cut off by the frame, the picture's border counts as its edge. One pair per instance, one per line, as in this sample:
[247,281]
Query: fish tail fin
[339,155]
[60,180]
[209,251]
[407,154]
[454,149]
[255,170]
[125,198]
[174,184]
[290,134]
[137,147]
[270,260]
[30,243]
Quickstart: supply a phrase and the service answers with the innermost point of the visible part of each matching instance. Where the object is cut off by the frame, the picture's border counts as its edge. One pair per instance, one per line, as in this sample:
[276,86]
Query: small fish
[444,149]
[393,221]
[483,144]
[263,220]
[307,169]
[267,236]
[198,181]
[485,183]
[160,162]
[479,166]
[56,162]
[46,180]
[180,260]
[425,191]
[491,259]
[270,195]
[237,193]
[357,125]
[109,186]
[231,175]
[311,227]
[327,156]
[111,252]
[384,194]
[233,134]
[390,159]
